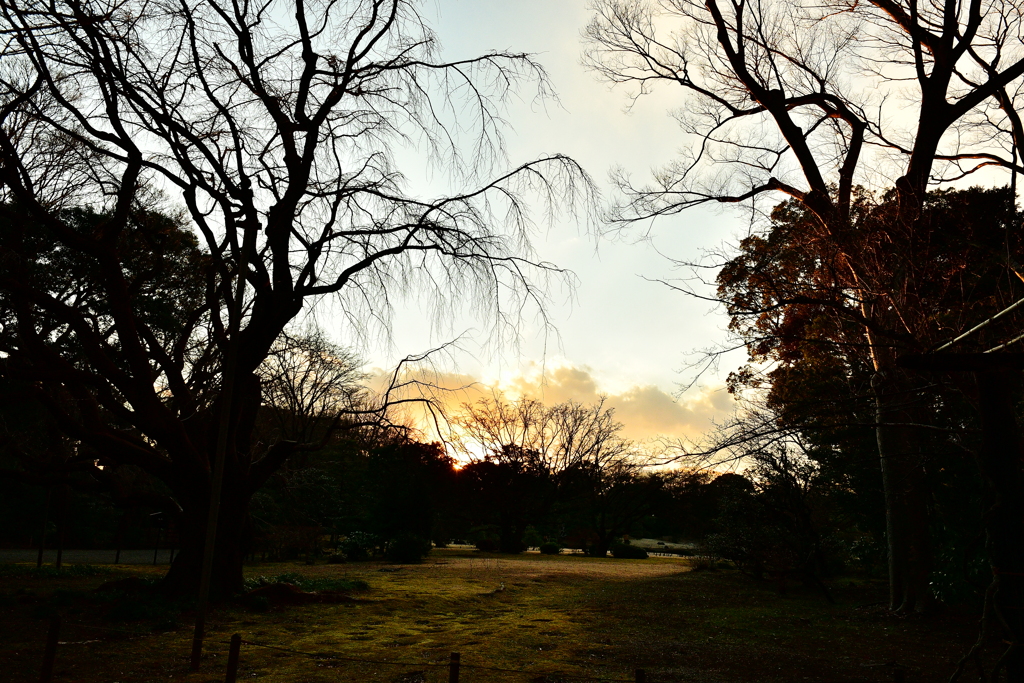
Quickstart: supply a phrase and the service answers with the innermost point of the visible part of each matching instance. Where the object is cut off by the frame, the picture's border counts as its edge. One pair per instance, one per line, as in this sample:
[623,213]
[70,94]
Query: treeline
[558,476]
[513,474]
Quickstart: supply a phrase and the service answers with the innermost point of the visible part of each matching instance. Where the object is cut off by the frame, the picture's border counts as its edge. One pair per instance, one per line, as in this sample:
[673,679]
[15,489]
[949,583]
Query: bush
[305,583]
[49,572]
[703,561]
[625,551]
[511,546]
[486,538]
[550,548]
[532,537]
[358,546]
[336,557]
[487,545]
[407,549]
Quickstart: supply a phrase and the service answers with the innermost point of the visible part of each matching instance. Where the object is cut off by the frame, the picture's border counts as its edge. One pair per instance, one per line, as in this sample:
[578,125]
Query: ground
[547,619]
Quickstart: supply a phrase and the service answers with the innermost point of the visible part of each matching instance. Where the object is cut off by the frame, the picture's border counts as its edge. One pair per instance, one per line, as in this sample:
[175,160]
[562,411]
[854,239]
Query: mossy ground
[558,618]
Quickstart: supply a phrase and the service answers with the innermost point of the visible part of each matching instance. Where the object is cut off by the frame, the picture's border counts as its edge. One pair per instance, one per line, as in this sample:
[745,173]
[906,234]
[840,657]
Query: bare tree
[312,385]
[813,102]
[568,451]
[561,437]
[275,125]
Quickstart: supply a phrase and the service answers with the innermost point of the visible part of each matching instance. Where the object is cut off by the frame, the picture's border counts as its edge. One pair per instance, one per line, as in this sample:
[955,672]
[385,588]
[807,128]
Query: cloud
[646,411]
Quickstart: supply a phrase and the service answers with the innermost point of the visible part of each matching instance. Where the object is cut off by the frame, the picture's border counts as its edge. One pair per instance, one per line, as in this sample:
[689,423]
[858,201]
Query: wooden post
[156,549]
[50,654]
[898,675]
[236,646]
[453,668]
[641,676]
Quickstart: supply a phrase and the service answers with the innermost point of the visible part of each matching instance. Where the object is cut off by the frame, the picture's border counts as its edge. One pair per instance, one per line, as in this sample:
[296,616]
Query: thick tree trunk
[234,540]
[906,500]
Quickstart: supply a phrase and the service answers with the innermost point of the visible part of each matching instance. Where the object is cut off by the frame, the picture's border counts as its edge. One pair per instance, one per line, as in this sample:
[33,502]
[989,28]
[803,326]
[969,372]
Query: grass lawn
[560,618]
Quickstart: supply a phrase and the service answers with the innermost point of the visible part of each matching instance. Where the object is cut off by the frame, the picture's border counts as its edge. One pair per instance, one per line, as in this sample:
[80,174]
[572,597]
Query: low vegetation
[546,617]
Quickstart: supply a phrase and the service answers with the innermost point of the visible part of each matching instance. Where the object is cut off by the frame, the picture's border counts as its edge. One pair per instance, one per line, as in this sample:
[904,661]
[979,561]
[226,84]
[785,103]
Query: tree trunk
[234,539]
[906,500]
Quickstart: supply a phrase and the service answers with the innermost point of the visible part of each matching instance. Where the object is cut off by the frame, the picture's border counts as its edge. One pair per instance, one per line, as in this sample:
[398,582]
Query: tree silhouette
[814,102]
[275,126]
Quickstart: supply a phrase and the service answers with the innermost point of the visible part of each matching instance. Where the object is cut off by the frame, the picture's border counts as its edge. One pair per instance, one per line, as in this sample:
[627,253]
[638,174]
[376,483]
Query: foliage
[50,572]
[359,546]
[551,467]
[307,583]
[627,551]
[407,549]
[777,102]
[279,142]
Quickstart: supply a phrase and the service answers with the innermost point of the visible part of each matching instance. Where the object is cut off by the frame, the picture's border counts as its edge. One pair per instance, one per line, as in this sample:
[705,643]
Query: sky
[617,333]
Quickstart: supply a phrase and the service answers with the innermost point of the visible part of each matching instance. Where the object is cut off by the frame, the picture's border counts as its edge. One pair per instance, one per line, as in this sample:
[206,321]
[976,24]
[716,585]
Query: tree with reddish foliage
[812,102]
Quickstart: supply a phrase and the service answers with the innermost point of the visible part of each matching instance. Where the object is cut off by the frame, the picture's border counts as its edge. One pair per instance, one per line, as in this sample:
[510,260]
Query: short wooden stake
[898,675]
[236,645]
[50,654]
[641,676]
[453,668]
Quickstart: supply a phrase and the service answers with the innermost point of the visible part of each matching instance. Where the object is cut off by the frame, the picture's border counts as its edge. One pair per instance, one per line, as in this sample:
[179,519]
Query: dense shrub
[487,545]
[625,551]
[358,546]
[532,537]
[50,572]
[486,538]
[407,549]
[305,583]
[550,548]
[703,561]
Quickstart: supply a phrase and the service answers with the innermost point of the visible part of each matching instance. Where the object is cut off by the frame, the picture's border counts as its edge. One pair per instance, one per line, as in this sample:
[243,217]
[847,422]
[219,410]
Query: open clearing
[550,619]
